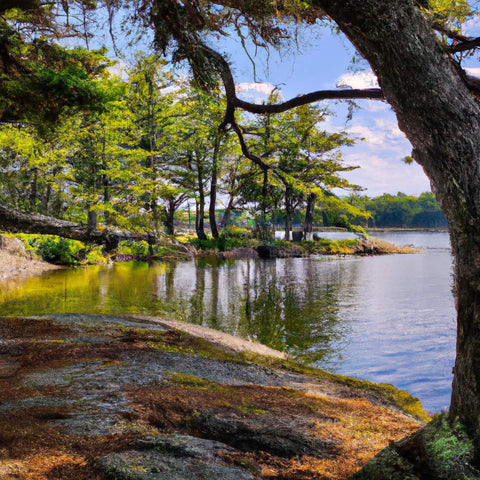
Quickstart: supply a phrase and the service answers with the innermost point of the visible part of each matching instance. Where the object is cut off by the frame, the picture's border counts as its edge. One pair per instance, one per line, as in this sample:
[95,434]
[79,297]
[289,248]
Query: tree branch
[439,27]
[347,94]
[245,150]
[464,46]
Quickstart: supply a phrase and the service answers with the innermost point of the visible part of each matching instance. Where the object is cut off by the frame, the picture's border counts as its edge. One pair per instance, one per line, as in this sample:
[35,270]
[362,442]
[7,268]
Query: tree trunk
[14,220]
[213,201]
[169,218]
[213,188]
[200,218]
[226,214]
[441,118]
[308,223]
[200,205]
[33,190]
[288,212]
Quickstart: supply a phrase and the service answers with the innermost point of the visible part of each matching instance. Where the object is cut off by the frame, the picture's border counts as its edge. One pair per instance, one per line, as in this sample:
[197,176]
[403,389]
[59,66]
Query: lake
[389,319]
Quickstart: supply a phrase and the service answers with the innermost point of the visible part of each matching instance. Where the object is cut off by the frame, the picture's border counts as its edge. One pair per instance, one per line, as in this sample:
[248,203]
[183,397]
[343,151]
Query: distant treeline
[401,210]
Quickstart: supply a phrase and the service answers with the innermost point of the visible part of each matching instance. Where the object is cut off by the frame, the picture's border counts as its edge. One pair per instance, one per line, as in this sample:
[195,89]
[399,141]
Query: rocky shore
[138,398]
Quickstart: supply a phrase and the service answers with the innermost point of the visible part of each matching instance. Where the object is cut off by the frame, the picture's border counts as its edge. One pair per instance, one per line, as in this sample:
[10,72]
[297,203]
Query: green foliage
[234,231]
[449,447]
[95,256]
[222,243]
[62,251]
[58,251]
[401,211]
[136,248]
[40,78]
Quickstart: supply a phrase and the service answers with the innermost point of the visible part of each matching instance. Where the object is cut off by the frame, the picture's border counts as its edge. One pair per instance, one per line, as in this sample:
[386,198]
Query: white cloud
[119,69]
[475,72]
[385,174]
[375,106]
[260,87]
[380,156]
[472,27]
[365,79]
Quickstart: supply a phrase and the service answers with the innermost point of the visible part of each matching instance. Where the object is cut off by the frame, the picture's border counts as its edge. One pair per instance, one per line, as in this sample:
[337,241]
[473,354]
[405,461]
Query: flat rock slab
[98,397]
[172,457]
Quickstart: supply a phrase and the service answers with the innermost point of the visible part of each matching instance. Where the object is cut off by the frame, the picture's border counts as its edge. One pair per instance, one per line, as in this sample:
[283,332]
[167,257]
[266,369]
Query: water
[389,319]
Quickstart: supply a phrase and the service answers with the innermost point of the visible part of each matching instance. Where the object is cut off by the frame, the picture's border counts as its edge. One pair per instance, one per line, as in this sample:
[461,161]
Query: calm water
[388,319]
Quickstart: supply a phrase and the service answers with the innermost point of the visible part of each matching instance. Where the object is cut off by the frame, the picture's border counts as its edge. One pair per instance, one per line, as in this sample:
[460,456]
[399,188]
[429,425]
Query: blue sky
[324,61]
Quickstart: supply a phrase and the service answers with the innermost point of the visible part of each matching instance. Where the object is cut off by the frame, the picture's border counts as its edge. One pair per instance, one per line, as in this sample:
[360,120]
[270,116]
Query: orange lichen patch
[357,428]
[52,465]
[16,328]
[31,449]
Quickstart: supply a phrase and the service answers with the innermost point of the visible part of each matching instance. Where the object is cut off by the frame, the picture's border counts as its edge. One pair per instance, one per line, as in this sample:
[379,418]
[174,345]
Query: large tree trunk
[441,118]
[16,221]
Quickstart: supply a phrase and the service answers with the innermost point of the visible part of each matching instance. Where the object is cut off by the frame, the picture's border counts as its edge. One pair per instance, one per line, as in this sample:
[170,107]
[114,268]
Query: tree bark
[213,195]
[288,212]
[92,219]
[33,190]
[200,217]
[169,218]
[308,223]
[16,221]
[441,118]
[227,213]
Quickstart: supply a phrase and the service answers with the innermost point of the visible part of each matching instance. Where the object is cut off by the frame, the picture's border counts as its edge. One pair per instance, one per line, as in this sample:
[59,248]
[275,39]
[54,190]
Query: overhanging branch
[464,46]
[347,94]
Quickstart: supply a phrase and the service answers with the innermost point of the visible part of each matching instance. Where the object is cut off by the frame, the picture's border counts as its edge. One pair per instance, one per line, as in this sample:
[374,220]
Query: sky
[325,62]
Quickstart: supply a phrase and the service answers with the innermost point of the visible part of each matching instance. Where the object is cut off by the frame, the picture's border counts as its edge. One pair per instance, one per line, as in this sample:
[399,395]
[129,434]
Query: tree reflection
[291,312]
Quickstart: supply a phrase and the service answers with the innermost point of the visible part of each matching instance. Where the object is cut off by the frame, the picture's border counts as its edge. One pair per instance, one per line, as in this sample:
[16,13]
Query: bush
[130,247]
[222,243]
[234,231]
[59,251]
[95,256]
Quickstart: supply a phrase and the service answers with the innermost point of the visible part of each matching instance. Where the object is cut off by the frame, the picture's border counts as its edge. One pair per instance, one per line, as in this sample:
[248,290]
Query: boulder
[12,245]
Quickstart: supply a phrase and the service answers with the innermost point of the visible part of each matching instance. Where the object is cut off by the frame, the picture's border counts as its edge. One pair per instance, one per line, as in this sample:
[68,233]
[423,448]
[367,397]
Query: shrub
[234,231]
[222,243]
[130,247]
[59,251]
[95,256]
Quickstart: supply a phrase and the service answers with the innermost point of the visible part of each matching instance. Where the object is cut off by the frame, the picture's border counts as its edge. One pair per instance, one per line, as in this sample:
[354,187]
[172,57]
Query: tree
[304,159]
[39,77]
[196,149]
[153,100]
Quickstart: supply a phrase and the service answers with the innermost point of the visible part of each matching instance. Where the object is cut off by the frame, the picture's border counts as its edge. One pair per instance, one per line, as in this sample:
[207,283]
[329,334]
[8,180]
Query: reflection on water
[388,319]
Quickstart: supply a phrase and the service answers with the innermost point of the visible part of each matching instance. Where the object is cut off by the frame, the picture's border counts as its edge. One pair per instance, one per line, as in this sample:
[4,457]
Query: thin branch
[245,150]
[439,27]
